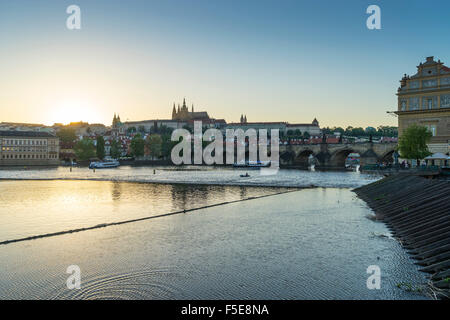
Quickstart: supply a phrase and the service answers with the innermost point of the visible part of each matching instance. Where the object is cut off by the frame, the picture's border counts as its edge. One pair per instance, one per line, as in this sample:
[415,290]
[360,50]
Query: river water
[282,242]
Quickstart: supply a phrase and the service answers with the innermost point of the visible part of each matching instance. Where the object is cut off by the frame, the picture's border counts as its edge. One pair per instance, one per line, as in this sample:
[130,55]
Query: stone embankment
[417,211]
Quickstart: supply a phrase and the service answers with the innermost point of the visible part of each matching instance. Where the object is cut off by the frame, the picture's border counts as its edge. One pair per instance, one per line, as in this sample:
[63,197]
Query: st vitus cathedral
[183,113]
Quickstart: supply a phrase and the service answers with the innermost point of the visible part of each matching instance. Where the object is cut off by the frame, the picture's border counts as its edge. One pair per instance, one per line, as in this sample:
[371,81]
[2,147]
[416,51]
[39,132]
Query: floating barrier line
[104,225]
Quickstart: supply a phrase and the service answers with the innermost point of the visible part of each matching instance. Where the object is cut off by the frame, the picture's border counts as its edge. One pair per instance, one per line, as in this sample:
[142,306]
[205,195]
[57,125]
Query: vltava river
[313,243]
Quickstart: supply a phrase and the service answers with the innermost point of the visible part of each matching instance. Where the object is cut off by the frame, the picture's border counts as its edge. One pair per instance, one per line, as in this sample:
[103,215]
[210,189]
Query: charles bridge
[334,155]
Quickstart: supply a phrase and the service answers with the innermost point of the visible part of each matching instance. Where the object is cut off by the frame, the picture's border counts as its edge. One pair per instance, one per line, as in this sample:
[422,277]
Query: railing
[378,167]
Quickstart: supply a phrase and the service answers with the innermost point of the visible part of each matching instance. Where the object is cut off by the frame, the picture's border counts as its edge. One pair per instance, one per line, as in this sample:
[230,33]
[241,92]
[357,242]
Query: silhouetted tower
[174,112]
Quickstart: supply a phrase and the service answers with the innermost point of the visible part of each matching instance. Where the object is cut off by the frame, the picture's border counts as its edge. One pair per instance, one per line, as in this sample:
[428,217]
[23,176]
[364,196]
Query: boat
[252,164]
[245,175]
[104,164]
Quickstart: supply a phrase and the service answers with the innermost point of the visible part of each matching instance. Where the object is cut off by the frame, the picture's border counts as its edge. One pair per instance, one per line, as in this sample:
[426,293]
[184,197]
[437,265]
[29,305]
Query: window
[430,104]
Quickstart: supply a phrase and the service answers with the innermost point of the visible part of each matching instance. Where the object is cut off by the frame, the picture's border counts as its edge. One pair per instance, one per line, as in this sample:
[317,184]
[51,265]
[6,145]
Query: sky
[270,60]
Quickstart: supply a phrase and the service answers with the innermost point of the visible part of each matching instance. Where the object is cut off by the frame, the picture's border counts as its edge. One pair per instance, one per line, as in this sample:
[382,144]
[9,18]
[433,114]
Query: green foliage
[413,142]
[100,147]
[381,131]
[84,149]
[66,135]
[167,145]
[154,144]
[115,149]
[137,145]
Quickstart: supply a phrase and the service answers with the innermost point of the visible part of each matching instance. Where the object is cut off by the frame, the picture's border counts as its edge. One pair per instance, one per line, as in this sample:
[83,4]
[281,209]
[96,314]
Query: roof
[302,125]
[254,123]
[34,134]
[437,156]
[199,114]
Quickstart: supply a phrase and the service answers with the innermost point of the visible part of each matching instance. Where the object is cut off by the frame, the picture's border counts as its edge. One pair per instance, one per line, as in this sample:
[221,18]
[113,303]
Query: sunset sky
[271,60]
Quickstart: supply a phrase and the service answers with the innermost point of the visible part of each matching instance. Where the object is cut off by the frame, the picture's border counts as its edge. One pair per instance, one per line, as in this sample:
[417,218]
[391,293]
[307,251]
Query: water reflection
[309,244]
[30,208]
[116,190]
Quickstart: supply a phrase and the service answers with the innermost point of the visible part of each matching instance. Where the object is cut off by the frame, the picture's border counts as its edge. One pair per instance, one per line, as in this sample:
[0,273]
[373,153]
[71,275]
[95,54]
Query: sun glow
[74,111]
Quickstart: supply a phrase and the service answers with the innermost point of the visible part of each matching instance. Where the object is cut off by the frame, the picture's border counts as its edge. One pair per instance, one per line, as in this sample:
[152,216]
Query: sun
[74,111]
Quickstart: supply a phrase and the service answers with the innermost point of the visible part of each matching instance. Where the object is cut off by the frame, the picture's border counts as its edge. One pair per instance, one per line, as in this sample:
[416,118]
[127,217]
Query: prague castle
[182,113]
[424,99]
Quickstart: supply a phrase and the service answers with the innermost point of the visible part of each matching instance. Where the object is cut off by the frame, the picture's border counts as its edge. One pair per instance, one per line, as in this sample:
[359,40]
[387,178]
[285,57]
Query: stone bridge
[334,155]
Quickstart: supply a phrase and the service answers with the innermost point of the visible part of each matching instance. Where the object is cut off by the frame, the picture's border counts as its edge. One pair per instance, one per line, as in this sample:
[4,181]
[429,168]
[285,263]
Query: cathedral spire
[174,111]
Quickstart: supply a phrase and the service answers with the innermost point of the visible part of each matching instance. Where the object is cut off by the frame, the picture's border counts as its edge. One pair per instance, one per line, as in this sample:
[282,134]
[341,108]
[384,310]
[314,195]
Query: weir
[417,211]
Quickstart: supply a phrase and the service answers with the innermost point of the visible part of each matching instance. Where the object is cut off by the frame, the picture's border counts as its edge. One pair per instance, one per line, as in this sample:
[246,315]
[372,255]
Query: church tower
[174,112]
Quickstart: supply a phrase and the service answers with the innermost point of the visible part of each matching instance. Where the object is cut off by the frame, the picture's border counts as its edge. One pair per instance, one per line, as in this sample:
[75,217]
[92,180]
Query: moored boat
[104,164]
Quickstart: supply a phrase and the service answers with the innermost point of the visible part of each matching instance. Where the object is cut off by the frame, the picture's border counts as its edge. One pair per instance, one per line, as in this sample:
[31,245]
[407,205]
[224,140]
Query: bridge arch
[338,157]
[287,157]
[302,158]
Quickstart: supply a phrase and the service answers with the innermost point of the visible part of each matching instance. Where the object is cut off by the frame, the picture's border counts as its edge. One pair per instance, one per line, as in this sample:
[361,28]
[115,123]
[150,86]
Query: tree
[154,144]
[131,130]
[100,147]
[141,129]
[413,143]
[306,135]
[137,145]
[115,149]
[66,136]
[84,149]
[167,145]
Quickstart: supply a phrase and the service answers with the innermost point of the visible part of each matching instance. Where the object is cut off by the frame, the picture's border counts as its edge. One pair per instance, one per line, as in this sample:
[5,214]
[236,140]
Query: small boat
[104,164]
[253,164]
[245,175]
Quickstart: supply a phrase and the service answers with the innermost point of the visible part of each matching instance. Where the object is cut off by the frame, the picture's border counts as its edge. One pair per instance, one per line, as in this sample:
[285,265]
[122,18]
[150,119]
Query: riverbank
[417,210]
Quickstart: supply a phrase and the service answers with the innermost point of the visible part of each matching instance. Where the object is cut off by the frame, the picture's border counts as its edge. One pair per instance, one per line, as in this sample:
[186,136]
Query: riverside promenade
[417,210]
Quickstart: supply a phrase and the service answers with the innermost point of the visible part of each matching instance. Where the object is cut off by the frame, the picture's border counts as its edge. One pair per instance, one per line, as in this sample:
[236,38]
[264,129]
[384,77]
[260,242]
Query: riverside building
[28,148]
[424,99]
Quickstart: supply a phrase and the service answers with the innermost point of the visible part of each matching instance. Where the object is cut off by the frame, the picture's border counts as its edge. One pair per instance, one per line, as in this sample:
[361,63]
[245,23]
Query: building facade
[28,148]
[312,128]
[424,99]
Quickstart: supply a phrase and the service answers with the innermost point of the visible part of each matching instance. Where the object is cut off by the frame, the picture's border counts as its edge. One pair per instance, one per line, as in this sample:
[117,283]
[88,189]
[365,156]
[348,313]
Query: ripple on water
[128,285]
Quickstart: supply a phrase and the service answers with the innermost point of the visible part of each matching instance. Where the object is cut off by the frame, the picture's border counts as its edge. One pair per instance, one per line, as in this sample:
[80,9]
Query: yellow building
[424,99]
[28,148]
